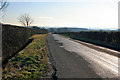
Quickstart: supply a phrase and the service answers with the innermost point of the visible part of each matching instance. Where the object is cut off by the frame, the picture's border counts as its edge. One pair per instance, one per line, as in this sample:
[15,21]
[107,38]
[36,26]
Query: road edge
[53,69]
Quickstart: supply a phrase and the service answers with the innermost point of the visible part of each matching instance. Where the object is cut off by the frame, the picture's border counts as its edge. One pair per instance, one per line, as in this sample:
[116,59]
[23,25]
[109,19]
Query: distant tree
[35,27]
[25,20]
[58,30]
[43,28]
[51,30]
[3,5]
[65,29]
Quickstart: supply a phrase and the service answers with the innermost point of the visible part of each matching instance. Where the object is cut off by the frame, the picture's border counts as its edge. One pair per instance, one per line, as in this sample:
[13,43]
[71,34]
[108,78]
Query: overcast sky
[102,14]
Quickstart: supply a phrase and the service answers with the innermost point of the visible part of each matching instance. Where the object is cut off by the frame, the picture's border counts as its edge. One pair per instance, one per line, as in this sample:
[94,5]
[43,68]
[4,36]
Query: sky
[96,14]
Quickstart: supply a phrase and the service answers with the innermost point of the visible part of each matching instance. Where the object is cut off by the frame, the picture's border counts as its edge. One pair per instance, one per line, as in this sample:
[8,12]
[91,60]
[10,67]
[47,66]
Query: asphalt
[68,64]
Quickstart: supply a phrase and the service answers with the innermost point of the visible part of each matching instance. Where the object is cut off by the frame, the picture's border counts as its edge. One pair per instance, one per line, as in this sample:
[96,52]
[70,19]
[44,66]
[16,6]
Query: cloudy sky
[100,14]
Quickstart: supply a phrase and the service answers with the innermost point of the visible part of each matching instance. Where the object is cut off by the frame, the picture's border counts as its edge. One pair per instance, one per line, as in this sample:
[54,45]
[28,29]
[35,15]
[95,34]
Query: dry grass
[31,62]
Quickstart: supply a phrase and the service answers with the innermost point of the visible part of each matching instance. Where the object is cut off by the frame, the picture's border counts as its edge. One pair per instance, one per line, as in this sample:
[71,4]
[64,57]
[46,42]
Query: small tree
[25,20]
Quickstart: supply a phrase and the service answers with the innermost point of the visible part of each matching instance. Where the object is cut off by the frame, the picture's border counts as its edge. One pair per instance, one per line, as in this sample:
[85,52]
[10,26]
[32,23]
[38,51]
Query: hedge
[110,39]
[15,37]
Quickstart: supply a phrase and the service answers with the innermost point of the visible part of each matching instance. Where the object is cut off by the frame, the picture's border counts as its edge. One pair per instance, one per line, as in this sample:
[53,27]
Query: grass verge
[31,62]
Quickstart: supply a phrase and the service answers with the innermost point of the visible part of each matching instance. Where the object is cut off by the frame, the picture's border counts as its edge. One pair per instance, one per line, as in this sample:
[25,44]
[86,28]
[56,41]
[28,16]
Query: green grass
[31,62]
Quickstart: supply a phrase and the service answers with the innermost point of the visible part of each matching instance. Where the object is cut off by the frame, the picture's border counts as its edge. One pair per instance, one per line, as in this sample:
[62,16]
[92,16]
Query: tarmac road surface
[74,60]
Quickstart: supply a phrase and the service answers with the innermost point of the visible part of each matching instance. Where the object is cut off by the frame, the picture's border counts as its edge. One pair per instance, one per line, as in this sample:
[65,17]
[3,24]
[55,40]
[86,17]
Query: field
[31,62]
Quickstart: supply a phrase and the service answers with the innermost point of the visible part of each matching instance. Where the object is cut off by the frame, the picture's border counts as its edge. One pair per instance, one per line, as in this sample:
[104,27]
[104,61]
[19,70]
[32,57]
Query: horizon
[48,27]
[93,15]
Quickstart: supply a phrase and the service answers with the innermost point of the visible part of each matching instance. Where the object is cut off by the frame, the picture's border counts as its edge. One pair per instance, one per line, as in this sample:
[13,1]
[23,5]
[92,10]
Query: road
[74,60]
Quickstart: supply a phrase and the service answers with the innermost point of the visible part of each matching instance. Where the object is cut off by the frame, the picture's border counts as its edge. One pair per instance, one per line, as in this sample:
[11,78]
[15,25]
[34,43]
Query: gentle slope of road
[74,60]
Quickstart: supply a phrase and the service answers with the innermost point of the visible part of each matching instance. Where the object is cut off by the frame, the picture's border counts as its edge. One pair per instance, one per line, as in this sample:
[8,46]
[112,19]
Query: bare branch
[3,5]
[25,20]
